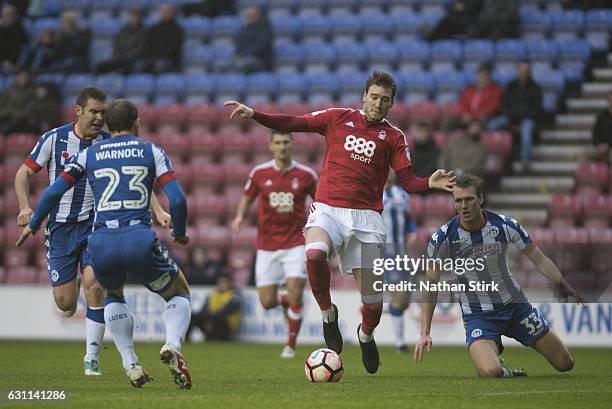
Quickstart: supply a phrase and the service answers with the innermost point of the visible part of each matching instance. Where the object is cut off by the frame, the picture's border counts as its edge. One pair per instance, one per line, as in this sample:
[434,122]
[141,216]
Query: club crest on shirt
[295,184]
[65,156]
[493,231]
[382,135]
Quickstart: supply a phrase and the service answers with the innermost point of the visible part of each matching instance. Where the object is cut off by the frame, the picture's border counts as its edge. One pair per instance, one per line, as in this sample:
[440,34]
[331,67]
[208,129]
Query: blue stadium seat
[535,24]
[373,6]
[82,6]
[224,28]
[542,51]
[289,57]
[244,3]
[170,85]
[43,24]
[282,7]
[261,87]
[113,84]
[342,7]
[572,71]
[553,84]
[449,85]
[139,87]
[413,55]
[291,88]
[156,3]
[315,28]
[322,87]
[311,8]
[109,6]
[74,83]
[379,26]
[230,86]
[350,57]
[104,28]
[445,54]
[223,54]
[406,25]
[54,79]
[319,57]
[381,55]
[502,77]
[197,58]
[140,4]
[478,51]
[196,27]
[510,50]
[598,28]
[201,88]
[417,85]
[574,50]
[347,26]
[567,23]
[286,26]
[352,85]
[401,6]
[49,8]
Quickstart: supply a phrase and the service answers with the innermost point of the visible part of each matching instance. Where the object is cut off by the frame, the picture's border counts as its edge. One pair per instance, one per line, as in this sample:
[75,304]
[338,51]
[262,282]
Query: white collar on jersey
[288,167]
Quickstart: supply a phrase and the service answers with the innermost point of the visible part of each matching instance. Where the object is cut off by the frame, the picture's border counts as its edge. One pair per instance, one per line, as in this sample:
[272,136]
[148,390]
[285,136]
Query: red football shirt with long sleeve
[481,103]
[358,155]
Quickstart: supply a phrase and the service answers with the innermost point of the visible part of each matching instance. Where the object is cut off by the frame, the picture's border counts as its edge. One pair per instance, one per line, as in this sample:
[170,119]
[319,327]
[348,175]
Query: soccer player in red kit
[281,185]
[361,146]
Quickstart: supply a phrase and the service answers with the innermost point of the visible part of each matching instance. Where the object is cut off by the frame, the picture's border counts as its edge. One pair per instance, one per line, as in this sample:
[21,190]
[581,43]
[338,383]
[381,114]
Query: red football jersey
[282,203]
[357,158]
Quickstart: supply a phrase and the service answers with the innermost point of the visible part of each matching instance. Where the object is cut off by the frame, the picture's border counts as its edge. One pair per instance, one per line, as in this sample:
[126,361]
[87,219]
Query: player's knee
[566,363]
[94,294]
[64,302]
[489,371]
[268,303]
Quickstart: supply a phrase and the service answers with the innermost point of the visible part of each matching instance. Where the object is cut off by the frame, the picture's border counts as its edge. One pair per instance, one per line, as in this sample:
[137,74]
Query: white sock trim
[318,245]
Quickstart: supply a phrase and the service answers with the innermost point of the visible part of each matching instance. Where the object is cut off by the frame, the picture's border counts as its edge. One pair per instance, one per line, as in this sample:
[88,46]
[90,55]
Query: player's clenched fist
[240,110]
[424,341]
[24,216]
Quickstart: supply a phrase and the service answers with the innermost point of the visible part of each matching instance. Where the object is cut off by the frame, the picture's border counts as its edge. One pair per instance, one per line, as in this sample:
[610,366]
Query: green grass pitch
[237,375]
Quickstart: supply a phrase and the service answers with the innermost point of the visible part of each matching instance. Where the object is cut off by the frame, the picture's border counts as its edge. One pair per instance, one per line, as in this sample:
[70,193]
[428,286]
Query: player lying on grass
[361,147]
[70,222]
[477,233]
[282,186]
[121,172]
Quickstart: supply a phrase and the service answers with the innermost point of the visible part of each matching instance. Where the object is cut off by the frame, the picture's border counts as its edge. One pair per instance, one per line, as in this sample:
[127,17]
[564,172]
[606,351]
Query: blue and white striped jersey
[396,215]
[121,172]
[52,152]
[490,243]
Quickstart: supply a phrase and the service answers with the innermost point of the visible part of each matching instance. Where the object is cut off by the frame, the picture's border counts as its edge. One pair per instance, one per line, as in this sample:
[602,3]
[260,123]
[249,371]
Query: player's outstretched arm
[428,305]
[48,201]
[243,208]
[22,191]
[550,271]
[280,122]
[178,210]
[240,110]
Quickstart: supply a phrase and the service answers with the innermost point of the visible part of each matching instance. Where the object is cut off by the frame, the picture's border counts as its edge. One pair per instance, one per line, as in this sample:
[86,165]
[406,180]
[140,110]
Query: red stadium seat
[206,173]
[172,114]
[600,256]
[439,206]
[15,257]
[591,177]
[427,111]
[204,116]
[596,211]
[416,207]
[204,143]
[310,143]
[236,141]
[399,114]
[499,142]
[22,275]
[68,114]
[237,172]
[246,237]
[564,210]
[20,144]
[451,110]
[296,108]
[233,194]
[494,166]
[217,237]
[572,243]
[148,116]
[184,174]
[211,206]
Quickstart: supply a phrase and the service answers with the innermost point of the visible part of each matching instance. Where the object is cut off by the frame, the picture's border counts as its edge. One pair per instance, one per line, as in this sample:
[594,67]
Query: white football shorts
[274,267]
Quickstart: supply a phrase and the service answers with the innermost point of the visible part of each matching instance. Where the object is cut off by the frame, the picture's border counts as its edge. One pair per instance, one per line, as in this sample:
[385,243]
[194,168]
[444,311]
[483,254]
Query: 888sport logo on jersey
[361,149]
[281,201]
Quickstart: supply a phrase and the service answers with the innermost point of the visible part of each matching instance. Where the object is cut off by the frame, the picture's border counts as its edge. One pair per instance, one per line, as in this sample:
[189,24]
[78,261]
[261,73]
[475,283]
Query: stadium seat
[196,28]
[22,274]
[213,237]
[406,25]
[74,83]
[139,87]
[541,51]
[203,115]
[418,86]
[20,144]
[596,211]
[213,207]
[347,26]
[600,256]
[286,27]
[261,87]
[564,210]
[553,84]
[379,26]
[224,28]
[289,57]
[291,88]
[578,51]
[245,238]
[113,84]
[598,27]
[197,58]
[438,206]
[573,245]
[567,24]
[445,54]
[170,85]
[316,28]
[203,143]
[223,54]
[498,142]
[319,57]
[350,57]
[402,6]
[449,85]
[351,86]
[236,142]
[413,55]
[591,177]
[201,87]
[535,24]
[184,172]
[381,55]
[510,50]
[206,173]
[478,51]
[230,87]
[172,114]
[323,88]
[427,111]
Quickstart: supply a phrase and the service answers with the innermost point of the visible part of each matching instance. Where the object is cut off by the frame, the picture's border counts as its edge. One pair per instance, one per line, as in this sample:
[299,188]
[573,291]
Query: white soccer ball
[323,365]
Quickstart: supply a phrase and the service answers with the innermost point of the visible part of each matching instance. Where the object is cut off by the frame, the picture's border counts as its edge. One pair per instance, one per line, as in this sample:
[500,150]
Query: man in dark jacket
[127,45]
[425,151]
[602,132]
[163,44]
[522,107]
[13,38]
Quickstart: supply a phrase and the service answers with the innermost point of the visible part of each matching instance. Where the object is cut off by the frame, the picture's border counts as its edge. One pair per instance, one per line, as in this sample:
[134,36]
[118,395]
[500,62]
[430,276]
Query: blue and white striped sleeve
[41,154]
[438,244]
[516,234]
[163,167]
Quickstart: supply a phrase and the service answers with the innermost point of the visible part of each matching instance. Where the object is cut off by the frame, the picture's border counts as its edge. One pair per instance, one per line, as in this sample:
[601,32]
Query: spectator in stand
[219,318]
[425,152]
[253,43]
[466,153]
[602,133]
[498,19]
[204,269]
[481,100]
[163,46]
[73,45]
[21,6]
[16,107]
[13,38]
[522,108]
[46,112]
[209,8]
[128,45]
[40,56]
[459,20]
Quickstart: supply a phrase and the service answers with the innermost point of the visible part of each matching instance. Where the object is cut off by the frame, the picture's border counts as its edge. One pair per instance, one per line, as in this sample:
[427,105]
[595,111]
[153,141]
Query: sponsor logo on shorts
[161,282]
[54,275]
[476,333]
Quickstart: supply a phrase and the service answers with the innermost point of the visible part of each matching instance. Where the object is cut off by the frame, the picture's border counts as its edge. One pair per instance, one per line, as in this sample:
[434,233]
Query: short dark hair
[277,132]
[468,180]
[121,115]
[90,92]
[382,79]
